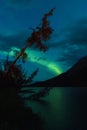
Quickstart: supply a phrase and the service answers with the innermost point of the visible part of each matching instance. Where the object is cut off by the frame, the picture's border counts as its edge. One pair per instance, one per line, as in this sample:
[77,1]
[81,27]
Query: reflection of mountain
[76,76]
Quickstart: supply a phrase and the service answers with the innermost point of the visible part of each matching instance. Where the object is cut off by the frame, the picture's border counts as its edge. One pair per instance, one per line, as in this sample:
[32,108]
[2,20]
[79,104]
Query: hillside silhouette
[75,76]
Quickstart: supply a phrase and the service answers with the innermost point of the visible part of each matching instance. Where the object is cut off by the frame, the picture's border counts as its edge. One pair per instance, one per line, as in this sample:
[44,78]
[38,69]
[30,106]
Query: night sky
[68,42]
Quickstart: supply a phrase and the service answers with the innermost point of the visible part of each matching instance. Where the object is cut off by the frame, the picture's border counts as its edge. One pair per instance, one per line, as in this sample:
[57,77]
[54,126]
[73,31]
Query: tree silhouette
[39,34]
[13,114]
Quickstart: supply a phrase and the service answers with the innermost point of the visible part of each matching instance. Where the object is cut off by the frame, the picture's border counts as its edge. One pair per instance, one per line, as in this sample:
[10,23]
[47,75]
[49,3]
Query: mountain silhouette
[75,76]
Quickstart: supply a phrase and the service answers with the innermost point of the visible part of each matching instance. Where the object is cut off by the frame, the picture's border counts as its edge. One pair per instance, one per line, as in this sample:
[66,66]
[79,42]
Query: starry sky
[68,42]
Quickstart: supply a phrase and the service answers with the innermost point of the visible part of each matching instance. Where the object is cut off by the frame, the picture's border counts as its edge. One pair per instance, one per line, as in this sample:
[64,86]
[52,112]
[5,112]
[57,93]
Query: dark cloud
[72,54]
[77,33]
[7,42]
[73,43]
[60,43]
[70,58]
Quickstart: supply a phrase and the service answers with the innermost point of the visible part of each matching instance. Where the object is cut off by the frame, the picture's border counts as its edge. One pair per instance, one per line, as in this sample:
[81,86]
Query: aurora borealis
[67,44]
[62,108]
[51,66]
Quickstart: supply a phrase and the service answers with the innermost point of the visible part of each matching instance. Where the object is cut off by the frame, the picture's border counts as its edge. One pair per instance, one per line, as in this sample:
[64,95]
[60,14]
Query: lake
[65,108]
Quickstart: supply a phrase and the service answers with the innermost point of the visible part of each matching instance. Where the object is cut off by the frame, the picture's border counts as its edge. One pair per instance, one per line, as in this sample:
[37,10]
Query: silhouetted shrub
[13,114]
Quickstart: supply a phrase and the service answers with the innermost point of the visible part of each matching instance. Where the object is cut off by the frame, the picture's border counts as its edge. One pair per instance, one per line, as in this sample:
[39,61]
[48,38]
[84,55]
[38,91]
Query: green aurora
[53,67]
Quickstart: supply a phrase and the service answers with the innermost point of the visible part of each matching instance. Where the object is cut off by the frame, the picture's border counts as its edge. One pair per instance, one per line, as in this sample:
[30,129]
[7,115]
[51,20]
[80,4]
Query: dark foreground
[13,114]
[64,108]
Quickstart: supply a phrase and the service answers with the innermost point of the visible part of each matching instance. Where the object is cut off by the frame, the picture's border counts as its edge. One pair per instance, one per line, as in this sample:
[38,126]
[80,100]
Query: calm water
[63,109]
